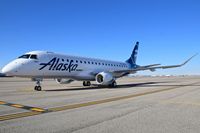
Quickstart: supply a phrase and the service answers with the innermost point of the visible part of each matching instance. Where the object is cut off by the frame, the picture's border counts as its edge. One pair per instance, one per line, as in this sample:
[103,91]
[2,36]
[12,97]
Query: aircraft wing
[149,67]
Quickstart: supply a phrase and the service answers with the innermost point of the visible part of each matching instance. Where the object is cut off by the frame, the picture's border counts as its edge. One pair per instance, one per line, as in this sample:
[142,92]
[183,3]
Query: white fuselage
[52,65]
[66,68]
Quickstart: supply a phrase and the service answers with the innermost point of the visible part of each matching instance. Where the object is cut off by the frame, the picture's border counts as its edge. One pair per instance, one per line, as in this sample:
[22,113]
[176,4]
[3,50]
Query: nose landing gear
[38,84]
[38,87]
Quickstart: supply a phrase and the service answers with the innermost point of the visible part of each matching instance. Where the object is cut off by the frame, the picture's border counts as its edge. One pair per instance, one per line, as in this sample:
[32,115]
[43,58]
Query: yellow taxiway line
[37,111]
[18,115]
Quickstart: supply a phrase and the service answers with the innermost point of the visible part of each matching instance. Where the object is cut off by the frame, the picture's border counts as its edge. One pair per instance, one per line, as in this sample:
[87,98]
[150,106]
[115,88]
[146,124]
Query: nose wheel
[38,87]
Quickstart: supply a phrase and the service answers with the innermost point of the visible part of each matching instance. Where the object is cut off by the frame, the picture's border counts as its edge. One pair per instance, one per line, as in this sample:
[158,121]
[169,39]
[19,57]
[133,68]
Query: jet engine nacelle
[104,78]
[64,81]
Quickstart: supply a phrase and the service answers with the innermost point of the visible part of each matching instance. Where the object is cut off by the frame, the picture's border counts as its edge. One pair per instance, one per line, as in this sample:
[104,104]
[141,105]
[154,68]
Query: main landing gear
[113,84]
[38,87]
[86,83]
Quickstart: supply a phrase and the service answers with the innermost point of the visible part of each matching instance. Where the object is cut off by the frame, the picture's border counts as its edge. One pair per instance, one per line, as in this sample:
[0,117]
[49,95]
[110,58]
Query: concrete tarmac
[137,105]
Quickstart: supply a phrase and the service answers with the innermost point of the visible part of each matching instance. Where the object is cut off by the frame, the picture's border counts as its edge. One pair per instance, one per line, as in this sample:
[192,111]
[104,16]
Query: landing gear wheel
[38,88]
[113,84]
[86,83]
[38,85]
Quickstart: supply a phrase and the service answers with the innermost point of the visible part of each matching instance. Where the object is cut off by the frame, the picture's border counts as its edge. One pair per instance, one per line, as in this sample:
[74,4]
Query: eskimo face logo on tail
[57,64]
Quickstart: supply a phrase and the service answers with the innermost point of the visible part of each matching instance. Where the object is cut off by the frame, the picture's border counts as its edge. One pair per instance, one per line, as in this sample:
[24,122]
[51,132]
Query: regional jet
[39,65]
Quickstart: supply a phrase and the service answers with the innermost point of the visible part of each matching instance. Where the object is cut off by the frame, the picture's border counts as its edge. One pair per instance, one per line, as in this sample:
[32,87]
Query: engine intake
[104,78]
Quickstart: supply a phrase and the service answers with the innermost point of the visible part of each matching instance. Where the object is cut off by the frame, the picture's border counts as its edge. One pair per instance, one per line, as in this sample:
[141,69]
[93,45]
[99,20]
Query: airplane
[65,69]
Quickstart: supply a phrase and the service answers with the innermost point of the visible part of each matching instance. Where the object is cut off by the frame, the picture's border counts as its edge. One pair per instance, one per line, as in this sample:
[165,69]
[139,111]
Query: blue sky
[168,30]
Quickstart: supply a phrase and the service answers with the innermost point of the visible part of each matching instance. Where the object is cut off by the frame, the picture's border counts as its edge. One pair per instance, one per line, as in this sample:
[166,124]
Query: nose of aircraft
[10,69]
[7,70]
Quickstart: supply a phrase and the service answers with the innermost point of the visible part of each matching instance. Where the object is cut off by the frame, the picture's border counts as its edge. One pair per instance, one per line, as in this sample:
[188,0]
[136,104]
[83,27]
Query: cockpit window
[26,56]
[33,56]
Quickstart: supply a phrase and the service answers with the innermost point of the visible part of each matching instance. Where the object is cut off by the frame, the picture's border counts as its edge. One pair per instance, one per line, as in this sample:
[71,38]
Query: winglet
[189,59]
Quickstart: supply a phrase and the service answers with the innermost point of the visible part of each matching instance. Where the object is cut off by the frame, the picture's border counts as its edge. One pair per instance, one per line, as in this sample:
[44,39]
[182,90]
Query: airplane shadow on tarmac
[94,87]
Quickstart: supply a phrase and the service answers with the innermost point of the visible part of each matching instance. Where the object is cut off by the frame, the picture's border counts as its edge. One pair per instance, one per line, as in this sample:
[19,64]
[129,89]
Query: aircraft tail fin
[133,58]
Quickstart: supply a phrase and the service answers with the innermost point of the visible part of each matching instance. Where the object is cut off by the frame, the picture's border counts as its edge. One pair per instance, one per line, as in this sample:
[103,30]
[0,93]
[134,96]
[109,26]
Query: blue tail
[132,60]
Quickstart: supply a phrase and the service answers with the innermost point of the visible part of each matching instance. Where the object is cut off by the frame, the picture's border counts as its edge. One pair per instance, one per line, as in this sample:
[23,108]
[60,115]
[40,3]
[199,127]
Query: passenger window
[80,61]
[33,56]
[85,62]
